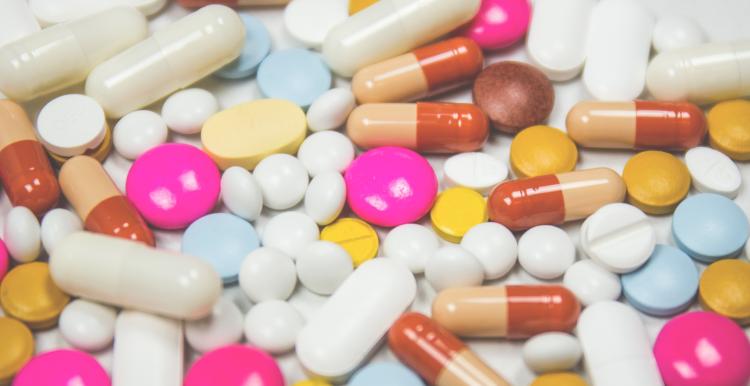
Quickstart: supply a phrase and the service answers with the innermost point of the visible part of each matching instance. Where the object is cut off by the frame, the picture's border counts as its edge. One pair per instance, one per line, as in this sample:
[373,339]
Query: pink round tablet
[172,185]
[499,23]
[390,186]
[3,260]
[702,349]
[62,368]
[235,365]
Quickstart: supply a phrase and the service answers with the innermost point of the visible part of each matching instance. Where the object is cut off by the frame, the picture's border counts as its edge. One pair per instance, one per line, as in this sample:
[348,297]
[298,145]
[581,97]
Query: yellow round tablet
[656,181]
[729,128]
[358,5]
[312,382]
[540,150]
[355,236]
[28,294]
[100,152]
[725,289]
[559,379]
[245,134]
[16,347]
[455,211]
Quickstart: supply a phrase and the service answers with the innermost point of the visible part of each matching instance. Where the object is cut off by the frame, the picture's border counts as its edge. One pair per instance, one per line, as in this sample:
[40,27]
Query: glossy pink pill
[3,260]
[172,185]
[701,349]
[62,368]
[235,365]
[390,186]
[499,23]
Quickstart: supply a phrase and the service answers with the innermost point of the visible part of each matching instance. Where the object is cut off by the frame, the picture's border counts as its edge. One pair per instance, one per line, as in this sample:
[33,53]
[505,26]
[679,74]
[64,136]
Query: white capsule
[290,232]
[328,151]
[282,179]
[87,325]
[330,110]
[552,351]
[222,327]
[453,266]
[22,234]
[411,244]
[16,21]
[273,326]
[56,225]
[325,197]
[50,12]
[241,193]
[323,266]
[186,111]
[267,274]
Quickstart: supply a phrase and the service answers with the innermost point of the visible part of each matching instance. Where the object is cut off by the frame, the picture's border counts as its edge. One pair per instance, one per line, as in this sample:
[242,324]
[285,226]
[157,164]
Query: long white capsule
[16,21]
[50,12]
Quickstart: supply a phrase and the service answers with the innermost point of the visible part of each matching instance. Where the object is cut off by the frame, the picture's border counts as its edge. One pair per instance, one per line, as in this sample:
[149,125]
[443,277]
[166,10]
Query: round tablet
[283,181]
[273,326]
[62,368]
[326,152]
[187,110]
[656,181]
[541,150]
[139,131]
[71,125]
[308,21]
[478,171]
[221,328]
[385,373]
[494,246]
[294,74]
[235,365]
[241,193]
[546,251]
[412,244]
[591,282]
[552,351]
[290,232]
[28,294]
[709,227]
[675,32]
[268,274]
[455,211]
[173,184]
[559,379]
[18,347]
[355,236]
[257,46]
[729,128]
[390,186]
[702,348]
[713,172]
[514,95]
[323,266]
[665,285]
[330,110]
[222,240]
[312,382]
[87,325]
[22,234]
[453,266]
[325,197]
[725,289]
[4,260]
[499,23]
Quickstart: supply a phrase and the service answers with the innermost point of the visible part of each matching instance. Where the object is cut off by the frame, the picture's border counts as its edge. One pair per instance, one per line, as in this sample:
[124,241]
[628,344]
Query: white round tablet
[546,251]
[713,172]
[137,132]
[591,282]
[494,246]
[675,32]
[323,266]
[412,244]
[267,274]
[69,125]
[477,171]
[273,326]
[309,21]
[241,193]
[327,151]
[330,110]
[22,234]
[87,325]
[453,266]
[222,327]
[552,351]
[282,179]
[56,225]
[290,232]
[325,197]
[186,111]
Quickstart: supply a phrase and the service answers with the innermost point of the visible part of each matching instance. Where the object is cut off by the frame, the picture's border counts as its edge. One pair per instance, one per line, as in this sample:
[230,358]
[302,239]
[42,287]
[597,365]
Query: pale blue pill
[223,240]
[298,75]
[665,285]
[257,47]
[385,374]
[709,227]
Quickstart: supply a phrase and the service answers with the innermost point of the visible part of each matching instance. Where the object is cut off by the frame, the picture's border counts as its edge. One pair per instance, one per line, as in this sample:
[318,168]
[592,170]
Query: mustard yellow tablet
[16,347]
[540,150]
[656,181]
[729,128]
[725,289]
[28,294]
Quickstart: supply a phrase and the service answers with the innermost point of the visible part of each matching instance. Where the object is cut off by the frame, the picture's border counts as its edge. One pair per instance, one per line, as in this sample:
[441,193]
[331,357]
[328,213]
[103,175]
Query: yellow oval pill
[559,379]
[729,128]
[28,294]
[725,289]
[16,347]
[245,134]
[358,5]
[656,181]
[541,150]
[455,211]
[355,236]
[312,382]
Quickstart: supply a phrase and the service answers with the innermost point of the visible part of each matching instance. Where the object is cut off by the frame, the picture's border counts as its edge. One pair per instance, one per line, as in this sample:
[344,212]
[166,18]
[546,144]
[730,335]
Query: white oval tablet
[494,246]
[411,244]
[50,12]
[222,327]
[713,172]
[137,132]
[273,326]
[290,232]
[22,234]
[477,171]
[325,197]
[327,151]
[675,32]
[56,224]
[552,351]
[453,266]
[87,325]
[591,282]
[186,111]
[546,251]
[309,21]
[282,179]
[71,124]
[331,110]
[323,266]
[267,274]
[241,193]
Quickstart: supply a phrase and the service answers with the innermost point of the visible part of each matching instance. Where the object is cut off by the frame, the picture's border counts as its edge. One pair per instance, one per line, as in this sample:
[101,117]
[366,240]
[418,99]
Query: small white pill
[477,171]
[186,111]
[494,246]
[325,197]
[241,193]
[309,21]
[331,110]
[137,132]
[591,282]
[552,351]
[267,274]
[22,234]
[453,266]
[223,327]
[282,179]
[87,325]
[69,125]
[273,326]
[327,151]
[323,266]
[57,224]
[675,32]
[412,244]
[713,172]
[290,232]
[546,251]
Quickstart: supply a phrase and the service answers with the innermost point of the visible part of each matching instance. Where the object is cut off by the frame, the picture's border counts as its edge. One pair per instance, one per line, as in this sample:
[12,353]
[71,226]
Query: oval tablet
[713,172]
[552,351]
[325,197]
[330,110]
[478,171]
[56,225]
[22,234]
[241,193]
[257,47]
[87,325]
[187,110]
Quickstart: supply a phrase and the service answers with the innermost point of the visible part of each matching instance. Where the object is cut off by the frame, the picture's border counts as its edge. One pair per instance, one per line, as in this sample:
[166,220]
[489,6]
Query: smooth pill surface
[186,111]
[28,294]
[412,244]
[266,274]
[312,382]
[323,266]
[234,365]
[591,282]
[17,21]
[88,326]
[62,368]
[725,289]
[546,251]
[656,181]
[385,373]
[729,128]
[330,110]
[325,152]
[478,171]
[18,347]
[559,379]
[325,197]
[308,21]
[357,237]
[257,46]
[552,351]
[713,172]
[290,232]
[540,150]
[50,12]
[674,32]
[71,125]
[273,326]
[137,132]
[358,5]
[453,266]
[298,75]
[282,179]
[455,211]
[492,32]
[4,260]
[22,234]
[241,193]
[494,246]
[221,328]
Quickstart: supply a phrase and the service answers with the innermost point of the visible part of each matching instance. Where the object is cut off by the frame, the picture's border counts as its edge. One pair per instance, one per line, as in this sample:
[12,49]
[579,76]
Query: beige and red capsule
[437,355]
[424,126]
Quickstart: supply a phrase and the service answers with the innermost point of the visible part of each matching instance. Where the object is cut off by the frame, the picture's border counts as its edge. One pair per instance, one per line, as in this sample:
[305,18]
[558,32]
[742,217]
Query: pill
[294,74]
[424,126]
[546,252]
[728,128]
[355,236]
[330,110]
[87,325]
[325,197]
[426,71]
[28,294]
[514,95]
[494,246]
[17,21]
[325,152]
[636,125]
[26,175]
[540,150]
[290,232]
[231,3]
[437,355]
[18,343]
[453,266]
[724,287]
[411,244]
[100,204]
[128,274]
[554,199]
[257,46]
[358,5]
[245,134]
[186,111]
[513,311]
[28,70]
[72,125]
[701,74]
[62,367]
[591,282]
[221,328]
[349,325]
[273,326]
[216,31]
[385,373]
[4,260]
[233,366]
[474,170]
[713,172]
[137,132]
[492,32]
[56,225]
[559,379]
[455,211]
[282,179]
[241,193]
[656,181]
[50,12]
[312,382]
[309,21]
[674,32]
[267,274]
[22,234]
[323,266]
[552,351]
[556,41]
[386,29]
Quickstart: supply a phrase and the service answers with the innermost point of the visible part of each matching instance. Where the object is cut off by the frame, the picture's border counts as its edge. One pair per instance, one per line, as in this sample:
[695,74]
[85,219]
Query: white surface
[546,251]
[22,234]
[58,11]
[713,171]
[675,32]
[282,179]
[552,351]
[137,132]
[453,266]
[591,282]
[268,274]
[87,325]
[186,111]
[290,232]
[323,266]
[325,197]
[331,109]
[71,124]
[241,193]
[328,151]
[56,225]
[494,246]
[411,244]
[16,21]
[273,326]
[477,171]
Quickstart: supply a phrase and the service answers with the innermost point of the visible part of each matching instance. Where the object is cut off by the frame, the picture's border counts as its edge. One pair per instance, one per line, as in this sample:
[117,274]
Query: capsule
[62,55]
[172,58]
[437,355]
[96,199]
[148,350]
[25,171]
[511,311]
[554,198]
[425,126]
[637,125]
[231,3]
[424,72]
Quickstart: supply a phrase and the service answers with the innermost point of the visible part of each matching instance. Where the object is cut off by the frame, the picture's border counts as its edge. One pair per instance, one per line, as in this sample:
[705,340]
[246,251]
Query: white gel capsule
[174,57]
[50,12]
[348,327]
[133,275]
[16,21]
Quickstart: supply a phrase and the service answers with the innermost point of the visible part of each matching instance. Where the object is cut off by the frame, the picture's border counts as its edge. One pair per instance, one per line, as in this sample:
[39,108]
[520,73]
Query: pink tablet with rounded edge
[3,260]
[62,368]
[499,23]
[235,365]
[172,185]
[703,348]
[390,186]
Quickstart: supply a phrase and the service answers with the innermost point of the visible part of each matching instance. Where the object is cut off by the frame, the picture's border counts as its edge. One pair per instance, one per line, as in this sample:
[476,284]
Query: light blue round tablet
[257,47]
[298,75]
[709,227]
[665,285]
[223,240]
[385,374]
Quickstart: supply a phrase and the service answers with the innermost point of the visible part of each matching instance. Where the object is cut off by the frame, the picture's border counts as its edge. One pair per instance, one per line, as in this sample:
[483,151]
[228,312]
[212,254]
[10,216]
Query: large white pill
[330,110]
[411,244]
[325,197]
[22,234]
[186,111]
[221,328]
[282,179]
[70,125]
[50,12]
[494,246]
[477,171]
[267,274]
[273,326]
[591,282]
[309,21]
[241,193]
[290,232]
[675,32]
[552,351]
[16,21]
[453,266]
[87,325]
[325,152]
[323,266]
[137,132]
[713,172]
[546,251]
[56,225]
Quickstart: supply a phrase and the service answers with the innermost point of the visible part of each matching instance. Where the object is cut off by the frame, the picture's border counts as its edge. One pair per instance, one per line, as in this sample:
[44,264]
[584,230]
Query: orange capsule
[554,198]
[437,355]
[637,125]
[426,71]
[512,311]
[425,126]
[25,171]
